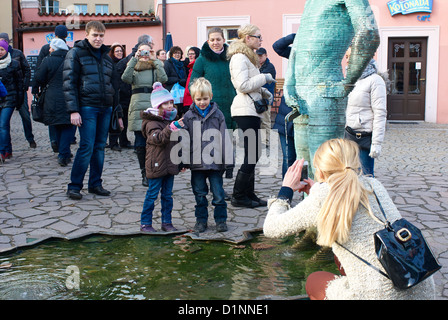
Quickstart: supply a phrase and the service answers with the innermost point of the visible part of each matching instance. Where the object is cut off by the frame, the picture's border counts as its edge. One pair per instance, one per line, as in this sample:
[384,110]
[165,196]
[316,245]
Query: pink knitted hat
[159,95]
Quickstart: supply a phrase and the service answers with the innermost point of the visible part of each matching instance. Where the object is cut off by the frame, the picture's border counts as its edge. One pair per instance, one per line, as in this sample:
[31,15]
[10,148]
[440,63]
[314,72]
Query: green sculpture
[314,83]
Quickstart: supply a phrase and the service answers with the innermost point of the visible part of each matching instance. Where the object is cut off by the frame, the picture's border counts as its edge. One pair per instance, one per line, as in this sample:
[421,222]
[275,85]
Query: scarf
[167,115]
[5,61]
[370,69]
[204,112]
[179,67]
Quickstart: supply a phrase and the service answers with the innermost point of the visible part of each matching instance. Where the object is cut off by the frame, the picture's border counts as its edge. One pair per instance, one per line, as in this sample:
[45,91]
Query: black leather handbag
[37,106]
[403,252]
[260,105]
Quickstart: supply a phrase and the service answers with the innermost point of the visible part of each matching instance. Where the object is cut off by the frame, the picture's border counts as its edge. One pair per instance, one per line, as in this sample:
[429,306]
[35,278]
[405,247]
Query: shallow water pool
[161,268]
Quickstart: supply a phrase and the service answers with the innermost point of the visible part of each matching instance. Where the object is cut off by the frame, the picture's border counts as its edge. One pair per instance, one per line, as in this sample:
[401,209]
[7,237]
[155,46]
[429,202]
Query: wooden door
[407,72]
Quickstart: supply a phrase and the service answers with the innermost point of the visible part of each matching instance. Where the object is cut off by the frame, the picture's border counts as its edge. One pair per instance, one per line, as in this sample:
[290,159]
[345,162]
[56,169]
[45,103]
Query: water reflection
[144,267]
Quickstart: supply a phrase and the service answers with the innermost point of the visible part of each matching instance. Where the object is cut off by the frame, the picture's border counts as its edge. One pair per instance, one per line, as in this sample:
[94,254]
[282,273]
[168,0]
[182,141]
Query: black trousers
[250,126]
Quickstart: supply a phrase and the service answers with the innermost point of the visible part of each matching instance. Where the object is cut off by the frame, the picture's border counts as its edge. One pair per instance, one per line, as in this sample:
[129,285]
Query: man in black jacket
[90,93]
[24,112]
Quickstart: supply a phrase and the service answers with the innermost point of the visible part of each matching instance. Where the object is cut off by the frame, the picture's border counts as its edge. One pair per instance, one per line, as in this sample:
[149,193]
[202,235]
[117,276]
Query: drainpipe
[164,22]
[16,18]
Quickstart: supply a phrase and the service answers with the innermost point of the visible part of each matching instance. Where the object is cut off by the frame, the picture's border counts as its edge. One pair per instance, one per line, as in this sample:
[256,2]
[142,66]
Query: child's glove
[176,125]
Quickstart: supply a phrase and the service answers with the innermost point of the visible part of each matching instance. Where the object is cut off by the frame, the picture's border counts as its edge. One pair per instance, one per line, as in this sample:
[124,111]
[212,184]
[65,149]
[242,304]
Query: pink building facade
[414,46]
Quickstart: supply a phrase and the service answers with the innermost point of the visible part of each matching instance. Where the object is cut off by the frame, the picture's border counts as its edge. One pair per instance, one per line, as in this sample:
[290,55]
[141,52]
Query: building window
[81,9]
[229,25]
[102,9]
[230,33]
[49,6]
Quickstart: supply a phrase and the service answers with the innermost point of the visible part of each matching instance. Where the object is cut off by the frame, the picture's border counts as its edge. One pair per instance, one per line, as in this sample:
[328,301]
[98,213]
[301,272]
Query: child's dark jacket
[210,144]
[157,133]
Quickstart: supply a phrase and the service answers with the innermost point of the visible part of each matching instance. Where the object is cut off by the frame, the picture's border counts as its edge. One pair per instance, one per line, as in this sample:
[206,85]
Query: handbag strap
[363,260]
[53,77]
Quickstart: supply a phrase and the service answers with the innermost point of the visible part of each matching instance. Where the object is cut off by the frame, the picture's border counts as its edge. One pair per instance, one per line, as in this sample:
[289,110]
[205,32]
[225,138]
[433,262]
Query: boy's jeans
[200,190]
[93,132]
[165,186]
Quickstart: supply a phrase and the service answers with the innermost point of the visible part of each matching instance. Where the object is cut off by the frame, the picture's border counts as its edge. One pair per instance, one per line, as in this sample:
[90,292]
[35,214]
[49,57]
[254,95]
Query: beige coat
[246,79]
[361,281]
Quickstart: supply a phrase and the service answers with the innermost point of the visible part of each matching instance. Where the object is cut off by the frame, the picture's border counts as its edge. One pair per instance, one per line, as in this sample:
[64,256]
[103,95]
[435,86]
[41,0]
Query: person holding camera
[343,208]
[250,102]
[142,71]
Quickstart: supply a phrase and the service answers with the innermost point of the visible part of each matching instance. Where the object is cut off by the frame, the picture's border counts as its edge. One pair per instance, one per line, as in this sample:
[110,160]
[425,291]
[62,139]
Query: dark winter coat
[124,88]
[268,67]
[24,66]
[50,72]
[173,76]
[215,68]
[205,145]
[157,133]
[282,48]
[43,53]
[89,81]
[12,79]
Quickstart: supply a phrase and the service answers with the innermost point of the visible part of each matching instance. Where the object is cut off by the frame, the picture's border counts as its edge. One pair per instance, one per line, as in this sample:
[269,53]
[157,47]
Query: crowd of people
[225,87]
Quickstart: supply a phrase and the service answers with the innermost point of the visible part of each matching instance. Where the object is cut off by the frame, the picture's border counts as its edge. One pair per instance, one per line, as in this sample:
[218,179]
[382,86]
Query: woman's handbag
[260,105]
[403,252]
[114,126]
[177,91]
[363,139]
[37,106]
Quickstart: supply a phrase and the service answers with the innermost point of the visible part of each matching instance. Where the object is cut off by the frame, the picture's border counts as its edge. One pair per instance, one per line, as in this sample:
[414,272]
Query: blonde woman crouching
[343,208]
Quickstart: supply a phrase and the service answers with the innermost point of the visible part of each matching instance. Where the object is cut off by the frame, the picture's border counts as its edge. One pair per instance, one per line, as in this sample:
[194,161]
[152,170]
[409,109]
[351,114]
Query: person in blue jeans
[209,157]
[90,93]
[283,124]
[157,127]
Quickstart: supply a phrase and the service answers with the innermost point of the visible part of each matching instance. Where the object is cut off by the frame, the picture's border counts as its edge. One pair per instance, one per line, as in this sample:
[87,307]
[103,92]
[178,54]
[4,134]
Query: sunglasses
[259,37]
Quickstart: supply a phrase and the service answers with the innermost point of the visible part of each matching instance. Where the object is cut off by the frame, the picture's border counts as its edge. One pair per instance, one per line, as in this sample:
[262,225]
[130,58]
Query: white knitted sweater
[361,281]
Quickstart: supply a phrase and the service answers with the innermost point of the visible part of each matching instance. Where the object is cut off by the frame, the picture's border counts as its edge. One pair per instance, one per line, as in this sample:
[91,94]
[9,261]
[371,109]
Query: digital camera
[144,53]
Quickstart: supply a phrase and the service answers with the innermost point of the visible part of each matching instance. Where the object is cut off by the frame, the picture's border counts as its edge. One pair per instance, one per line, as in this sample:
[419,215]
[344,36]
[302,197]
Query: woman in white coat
[366,114]
[248,83]
[345,212]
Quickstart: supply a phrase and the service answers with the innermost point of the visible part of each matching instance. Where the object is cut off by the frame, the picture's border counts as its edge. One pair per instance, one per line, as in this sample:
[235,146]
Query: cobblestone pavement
[34,206]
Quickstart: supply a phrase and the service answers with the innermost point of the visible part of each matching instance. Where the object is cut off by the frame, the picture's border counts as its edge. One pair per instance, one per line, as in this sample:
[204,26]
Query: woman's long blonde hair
[240,46]
[337,163]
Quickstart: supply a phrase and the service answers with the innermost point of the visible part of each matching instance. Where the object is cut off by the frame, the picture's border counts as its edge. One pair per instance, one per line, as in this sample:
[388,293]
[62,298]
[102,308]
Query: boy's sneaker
[221,227]
[147,228]
[200,226]
[168,227]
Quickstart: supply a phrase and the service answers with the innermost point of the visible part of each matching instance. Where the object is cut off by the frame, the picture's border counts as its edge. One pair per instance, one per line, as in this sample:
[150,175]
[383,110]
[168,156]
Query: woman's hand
[292,178]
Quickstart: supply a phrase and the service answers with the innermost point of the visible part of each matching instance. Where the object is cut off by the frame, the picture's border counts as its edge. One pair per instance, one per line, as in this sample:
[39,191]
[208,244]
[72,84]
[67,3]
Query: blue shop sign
[50,37]
[409,6]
